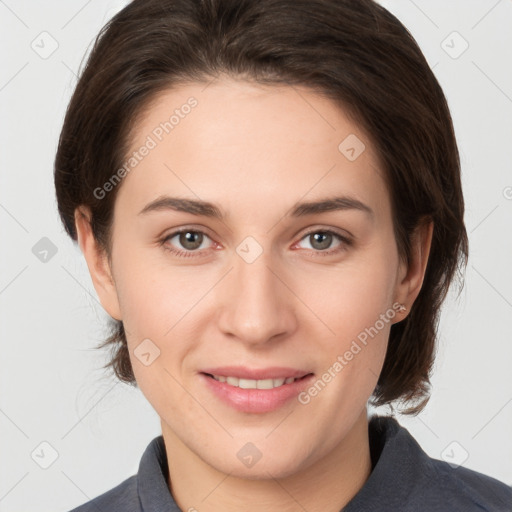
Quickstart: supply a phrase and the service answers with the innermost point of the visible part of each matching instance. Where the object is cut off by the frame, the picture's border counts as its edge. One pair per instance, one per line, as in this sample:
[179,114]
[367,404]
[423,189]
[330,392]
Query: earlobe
[410,286]
[97,262]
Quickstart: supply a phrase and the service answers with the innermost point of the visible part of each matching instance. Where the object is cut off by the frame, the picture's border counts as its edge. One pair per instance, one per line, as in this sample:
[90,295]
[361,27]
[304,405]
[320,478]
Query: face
[265,284]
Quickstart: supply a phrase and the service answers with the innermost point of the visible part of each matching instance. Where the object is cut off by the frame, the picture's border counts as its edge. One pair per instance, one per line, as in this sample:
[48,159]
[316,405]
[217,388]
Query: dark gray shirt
[403,478]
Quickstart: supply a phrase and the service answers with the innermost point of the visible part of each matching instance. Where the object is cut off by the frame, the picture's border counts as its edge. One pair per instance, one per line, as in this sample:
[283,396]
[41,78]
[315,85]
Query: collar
[154,494]
[399,468]
[398,464]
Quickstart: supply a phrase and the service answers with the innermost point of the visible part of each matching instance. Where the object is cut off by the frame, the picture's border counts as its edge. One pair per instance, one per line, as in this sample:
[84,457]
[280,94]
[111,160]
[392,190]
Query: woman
[268,198]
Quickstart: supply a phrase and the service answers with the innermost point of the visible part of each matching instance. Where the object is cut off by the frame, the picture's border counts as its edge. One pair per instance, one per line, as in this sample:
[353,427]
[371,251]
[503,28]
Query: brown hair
[352,51]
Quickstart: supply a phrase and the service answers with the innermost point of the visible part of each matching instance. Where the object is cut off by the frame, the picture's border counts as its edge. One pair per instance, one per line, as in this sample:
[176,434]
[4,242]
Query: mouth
[255,383]
[275,387]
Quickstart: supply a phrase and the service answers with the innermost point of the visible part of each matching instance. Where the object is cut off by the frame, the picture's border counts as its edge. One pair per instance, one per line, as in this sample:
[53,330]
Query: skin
[255,151]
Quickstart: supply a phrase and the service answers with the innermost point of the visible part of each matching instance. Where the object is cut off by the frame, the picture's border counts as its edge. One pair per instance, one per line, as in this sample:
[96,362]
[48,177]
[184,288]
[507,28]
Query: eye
[320,240]
[190,239]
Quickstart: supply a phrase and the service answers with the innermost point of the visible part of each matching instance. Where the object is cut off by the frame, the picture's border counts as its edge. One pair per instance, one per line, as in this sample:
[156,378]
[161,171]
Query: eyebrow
[207,209]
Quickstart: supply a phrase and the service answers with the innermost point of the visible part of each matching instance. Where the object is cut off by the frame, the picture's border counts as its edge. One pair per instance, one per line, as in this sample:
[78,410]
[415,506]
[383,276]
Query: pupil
[187,239]
[326,239]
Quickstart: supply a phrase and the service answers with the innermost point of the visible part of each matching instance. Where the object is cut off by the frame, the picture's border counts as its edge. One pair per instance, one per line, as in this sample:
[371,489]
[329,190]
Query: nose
[257,305]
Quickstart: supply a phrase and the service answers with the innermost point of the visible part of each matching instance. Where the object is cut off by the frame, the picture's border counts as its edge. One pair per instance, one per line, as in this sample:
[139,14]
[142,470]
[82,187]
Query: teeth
[247,384]
[233,381]
[263,384]
[254,384]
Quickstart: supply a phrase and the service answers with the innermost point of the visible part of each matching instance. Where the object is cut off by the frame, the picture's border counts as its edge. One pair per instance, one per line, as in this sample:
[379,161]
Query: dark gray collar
[403,478]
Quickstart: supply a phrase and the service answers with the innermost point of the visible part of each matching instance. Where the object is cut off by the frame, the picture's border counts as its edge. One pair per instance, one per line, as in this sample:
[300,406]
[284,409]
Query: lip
[242,372]
[256,401]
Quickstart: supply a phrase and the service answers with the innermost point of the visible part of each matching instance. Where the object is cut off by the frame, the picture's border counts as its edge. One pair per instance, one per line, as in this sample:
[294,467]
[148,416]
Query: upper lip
[242,372]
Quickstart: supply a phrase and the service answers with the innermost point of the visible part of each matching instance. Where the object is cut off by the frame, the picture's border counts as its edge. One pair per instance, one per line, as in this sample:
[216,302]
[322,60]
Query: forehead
[247,144]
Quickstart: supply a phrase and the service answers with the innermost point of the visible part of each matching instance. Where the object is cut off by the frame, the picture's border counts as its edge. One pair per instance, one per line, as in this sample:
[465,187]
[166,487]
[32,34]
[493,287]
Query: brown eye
[189,240]
[321,242]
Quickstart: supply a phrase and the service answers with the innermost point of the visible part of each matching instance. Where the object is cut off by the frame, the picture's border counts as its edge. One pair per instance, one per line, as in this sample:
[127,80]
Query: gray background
[52,387]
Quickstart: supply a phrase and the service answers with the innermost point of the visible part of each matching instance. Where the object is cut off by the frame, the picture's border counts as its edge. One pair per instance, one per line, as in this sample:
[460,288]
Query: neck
[327,485]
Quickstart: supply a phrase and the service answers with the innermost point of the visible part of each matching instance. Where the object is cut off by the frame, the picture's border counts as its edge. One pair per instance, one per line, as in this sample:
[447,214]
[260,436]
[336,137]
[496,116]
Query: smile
[254,384]
[256,395]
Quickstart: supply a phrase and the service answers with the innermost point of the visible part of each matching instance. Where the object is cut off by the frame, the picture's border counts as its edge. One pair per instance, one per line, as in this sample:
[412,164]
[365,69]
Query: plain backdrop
[69,431]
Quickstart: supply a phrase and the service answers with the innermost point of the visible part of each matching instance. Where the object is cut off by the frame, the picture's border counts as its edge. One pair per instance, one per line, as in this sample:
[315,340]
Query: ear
[411,277]
[97,262]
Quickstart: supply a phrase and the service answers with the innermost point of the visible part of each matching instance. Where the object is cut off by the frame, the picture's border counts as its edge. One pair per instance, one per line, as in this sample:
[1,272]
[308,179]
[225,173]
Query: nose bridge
[258,307]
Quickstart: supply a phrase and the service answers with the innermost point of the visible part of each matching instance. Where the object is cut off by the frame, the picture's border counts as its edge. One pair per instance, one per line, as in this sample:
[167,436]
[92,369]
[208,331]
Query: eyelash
[346,242]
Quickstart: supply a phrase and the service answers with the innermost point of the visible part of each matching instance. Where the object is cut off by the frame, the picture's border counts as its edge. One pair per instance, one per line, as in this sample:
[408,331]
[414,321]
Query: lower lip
[256,400]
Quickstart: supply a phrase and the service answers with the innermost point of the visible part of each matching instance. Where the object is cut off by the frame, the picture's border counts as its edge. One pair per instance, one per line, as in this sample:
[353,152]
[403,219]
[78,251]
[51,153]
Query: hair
[353,52]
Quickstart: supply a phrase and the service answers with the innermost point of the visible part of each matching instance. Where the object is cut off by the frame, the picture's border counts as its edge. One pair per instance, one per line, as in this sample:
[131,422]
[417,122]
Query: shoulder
[140,491]
[123,497]
[471,488]
[407,478]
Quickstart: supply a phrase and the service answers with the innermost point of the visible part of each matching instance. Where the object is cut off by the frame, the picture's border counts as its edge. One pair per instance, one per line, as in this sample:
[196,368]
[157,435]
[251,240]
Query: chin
[275,465]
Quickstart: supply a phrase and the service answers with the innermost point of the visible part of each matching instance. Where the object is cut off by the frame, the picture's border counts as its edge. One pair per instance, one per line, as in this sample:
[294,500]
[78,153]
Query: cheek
[159,299]
[353,360]
[160,305]
[358,310]
[154,296]
[355,295]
